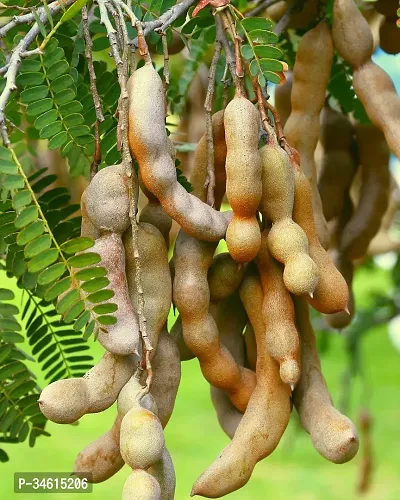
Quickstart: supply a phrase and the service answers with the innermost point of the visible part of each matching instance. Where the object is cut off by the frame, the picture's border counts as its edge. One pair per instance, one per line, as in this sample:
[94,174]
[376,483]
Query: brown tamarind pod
[191,295]
[148,143]
[88,229]
[66,401]
[337,165]
[251,346]
[314,57]
[331,294]
[389,35]
[375,184]
[106,199]
[185,354]
[224,277]
[228,416]
[243,176]
[266,416]
[163,471]
[287,241]
[282,340]
[141,485]
[351,33]
[155,278]
[333,435]
[283,103]
[198,178]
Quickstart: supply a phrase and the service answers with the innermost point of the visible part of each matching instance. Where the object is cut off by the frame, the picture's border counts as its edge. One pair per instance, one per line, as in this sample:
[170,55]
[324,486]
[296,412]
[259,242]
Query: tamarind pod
[155,278]
[298,19]
[266,416]
[185,353]
[148,143]
[331,294]
[243,176]
[367,217]
[287,241]
[389,35]
[251,346]
[228,416]
[88,229]
[122,338]
[130,397]
[314,56]
[376,91]
[337,166]
[351,33]
[141,485]
[163,471]
[276,10]
[66,401]
[106,199]
[383,243]
[283,103]
[198,177]
[192,297]
[224,277]
[333,434]
[282,340]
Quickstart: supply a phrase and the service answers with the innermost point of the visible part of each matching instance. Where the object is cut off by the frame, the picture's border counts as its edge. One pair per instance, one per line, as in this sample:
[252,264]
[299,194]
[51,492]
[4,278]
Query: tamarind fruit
[314,56]
[185,354]
[282,340]
[224,277]
[228,416]
[243,176]
[282,102]
[148,143]
[66,401]
[198,177]
[141,485]
[375,183]
[331,294]
[155,278]
[337,166]
[333,435]
[88,229]
[251,346]
[163,471]
[299,19]
[265,418]
[389,35]
[287,241]
[191,295]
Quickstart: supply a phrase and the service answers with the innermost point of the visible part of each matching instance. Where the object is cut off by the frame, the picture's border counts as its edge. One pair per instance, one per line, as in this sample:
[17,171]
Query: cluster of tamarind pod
[244,314]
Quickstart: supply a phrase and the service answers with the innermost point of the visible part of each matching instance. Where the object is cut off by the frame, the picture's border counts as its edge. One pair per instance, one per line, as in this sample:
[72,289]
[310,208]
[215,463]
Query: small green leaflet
[73,10]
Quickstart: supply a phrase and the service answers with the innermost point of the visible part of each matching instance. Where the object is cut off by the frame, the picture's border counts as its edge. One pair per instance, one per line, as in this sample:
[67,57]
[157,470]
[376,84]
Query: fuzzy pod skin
[141,485]
[337,165]
[331,294]
[224,277]
[283,103]
[148,143]
[243,176]
[185,354]
[314,57]
[389,36]
[156,278]
[164,472]
[333,434]
[198,177]
[66,401]
[106,200]
[251,346]
[265,419]
[123,337]
[88,229]
[191,295]
[351,33]
[374,193]
[282,340]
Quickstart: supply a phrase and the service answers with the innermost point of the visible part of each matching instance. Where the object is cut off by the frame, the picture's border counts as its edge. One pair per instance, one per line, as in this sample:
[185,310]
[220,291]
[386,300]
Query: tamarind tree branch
[261,5]
[284,21]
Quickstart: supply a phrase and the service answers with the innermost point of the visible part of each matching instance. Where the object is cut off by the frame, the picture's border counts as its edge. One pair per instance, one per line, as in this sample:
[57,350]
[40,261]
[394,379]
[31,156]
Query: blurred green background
[295,470]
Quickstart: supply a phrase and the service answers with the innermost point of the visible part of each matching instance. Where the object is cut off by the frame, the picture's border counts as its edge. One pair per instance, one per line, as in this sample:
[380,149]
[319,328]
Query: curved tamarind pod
[331,294]
[148,143]
[164,472]
[88,229]
[251,346]
[185,353]
[287,241]
[389,36]
[375,184]
[191,295]
[141,485]
[333,435]
[224,277]
[376,91]
[282,340]
[66,401]
[106,199]
[265,419]
[283,103]
[351,33]
[228,416]
[156,278]
[243,176]
[314,56]
[337,166]
[198,177]
[123,337]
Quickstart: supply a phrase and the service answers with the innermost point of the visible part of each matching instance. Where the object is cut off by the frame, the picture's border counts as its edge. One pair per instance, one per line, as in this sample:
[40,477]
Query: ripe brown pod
[251,346]
[333,435]
[243,176]
[163,471]
[224,277]
[148,143]
[283,103]
[185,354]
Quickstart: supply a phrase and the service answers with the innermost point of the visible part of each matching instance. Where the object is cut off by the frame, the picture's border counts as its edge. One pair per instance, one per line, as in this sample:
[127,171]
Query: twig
[284,21]
[210,180]
[229,55]
[262,5]
[166,59]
